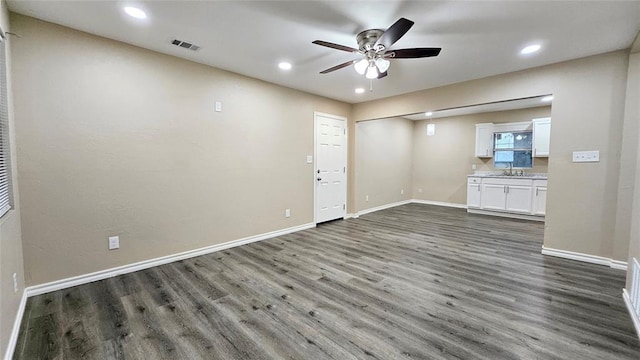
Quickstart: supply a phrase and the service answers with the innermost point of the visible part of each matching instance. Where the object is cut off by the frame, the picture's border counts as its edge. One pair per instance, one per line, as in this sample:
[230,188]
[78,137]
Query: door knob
[319,179]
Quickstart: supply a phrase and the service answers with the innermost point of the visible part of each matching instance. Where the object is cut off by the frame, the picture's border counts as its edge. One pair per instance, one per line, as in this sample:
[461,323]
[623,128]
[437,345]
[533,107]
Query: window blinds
[5,160]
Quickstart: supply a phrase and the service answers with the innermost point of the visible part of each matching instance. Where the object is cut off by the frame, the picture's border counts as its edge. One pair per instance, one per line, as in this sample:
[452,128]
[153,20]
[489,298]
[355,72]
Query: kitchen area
[512,189]
[486,158]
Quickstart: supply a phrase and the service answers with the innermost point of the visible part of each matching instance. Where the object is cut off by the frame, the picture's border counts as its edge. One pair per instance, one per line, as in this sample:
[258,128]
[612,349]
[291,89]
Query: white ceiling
[478,38]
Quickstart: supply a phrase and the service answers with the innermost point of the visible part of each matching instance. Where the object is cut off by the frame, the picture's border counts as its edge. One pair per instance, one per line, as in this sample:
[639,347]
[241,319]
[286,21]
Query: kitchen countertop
[500,175]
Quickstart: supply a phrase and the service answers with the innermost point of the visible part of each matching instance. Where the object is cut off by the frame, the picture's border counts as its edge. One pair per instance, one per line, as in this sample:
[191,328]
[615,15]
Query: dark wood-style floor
[412,282]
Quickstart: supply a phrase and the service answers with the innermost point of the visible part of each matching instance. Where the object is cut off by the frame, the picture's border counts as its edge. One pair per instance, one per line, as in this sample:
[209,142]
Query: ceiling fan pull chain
[371,85]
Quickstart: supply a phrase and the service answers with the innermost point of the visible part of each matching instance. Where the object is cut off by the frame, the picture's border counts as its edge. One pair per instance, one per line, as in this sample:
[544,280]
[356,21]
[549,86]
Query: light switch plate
[218,106]
[114,242]
[309,159]
[586,156]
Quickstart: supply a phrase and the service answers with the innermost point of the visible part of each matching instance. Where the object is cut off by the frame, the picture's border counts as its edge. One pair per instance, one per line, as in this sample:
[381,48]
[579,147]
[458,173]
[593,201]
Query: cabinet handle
[537,191]
[507,189]
[504,189]
[478,187]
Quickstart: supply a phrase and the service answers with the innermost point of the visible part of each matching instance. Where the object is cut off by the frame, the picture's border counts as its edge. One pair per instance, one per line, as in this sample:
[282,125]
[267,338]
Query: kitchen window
[513,149]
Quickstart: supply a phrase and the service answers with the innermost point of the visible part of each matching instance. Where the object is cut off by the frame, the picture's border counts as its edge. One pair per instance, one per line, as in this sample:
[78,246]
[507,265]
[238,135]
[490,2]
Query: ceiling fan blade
[381,75]
[335,46]
[338,67]
[412,53]
[394,33]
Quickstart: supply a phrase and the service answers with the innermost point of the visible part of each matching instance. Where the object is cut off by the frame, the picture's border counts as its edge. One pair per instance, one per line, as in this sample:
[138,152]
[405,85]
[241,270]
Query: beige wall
[632,116]
[383,162]
[442,162]
[587,114]
[117,140]
[10,235]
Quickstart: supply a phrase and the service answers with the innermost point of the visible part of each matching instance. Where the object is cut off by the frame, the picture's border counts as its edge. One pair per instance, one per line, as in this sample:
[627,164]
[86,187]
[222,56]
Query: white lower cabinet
[494,197]
[539,197]
[507,195]
[519,199]
[473,192]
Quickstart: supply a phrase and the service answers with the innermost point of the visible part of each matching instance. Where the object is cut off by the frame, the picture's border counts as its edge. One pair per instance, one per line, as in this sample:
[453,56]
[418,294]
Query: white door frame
[315,160]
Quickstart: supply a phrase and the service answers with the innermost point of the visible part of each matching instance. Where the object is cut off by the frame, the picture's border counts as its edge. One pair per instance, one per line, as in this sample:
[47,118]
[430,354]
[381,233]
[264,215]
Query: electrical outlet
[287,213]
[474,166]
[366,198]
[401,191]
[15,282]
[114,242]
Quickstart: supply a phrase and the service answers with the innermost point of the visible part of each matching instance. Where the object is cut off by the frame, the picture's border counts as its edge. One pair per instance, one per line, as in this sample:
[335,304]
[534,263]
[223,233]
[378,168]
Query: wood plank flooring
[411,282]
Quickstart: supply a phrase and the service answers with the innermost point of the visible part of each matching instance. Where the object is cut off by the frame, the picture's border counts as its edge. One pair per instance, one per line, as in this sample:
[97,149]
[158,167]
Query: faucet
[510,173]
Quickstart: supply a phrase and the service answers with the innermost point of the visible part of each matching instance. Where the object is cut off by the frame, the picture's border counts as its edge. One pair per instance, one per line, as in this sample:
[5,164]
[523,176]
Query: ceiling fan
[374,46]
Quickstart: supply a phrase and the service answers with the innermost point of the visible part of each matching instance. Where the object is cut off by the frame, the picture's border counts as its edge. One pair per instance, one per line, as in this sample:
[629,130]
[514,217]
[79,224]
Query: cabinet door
[540,200]
[519,199]
[541,137]
[473,195]
[493,197]
[484,140]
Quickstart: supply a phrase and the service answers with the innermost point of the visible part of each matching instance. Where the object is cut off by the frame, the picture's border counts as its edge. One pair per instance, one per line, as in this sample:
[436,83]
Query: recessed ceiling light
[428,113]
[284,66]
[547,98]
[359,90]
[530,49]
[135,12]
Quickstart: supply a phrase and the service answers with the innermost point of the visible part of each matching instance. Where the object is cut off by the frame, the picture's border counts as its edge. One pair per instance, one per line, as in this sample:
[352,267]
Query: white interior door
[331,167]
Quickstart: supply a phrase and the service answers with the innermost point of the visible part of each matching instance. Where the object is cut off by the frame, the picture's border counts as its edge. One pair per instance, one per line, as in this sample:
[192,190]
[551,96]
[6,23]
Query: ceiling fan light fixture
[361,66]
[382,64]
[372,72]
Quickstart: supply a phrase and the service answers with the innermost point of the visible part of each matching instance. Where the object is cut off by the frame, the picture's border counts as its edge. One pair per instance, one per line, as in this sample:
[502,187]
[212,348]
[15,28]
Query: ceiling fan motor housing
[367,39]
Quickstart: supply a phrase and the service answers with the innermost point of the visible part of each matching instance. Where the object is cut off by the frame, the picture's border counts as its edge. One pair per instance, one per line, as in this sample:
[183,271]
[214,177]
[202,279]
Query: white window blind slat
[5,171]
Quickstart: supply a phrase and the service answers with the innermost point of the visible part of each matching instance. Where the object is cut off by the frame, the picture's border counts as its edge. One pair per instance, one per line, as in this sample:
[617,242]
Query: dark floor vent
[186,45]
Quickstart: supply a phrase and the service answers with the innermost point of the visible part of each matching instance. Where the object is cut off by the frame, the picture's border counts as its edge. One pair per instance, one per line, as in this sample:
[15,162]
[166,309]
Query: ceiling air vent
[185,45]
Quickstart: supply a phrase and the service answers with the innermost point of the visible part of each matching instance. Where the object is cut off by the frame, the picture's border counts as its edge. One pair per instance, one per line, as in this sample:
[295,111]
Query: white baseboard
[13,339]
[404,202]
[105,274]
[634,316]
[382,207]
[351,216]
[593,259]
[439,203]
[617,264]
[505,214]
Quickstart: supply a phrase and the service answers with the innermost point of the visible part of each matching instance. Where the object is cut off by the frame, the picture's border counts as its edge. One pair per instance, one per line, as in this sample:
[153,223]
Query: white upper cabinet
[541,136]
[484,140]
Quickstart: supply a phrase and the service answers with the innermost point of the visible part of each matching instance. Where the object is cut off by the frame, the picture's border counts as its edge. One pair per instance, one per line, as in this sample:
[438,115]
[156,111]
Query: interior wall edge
[15,331]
